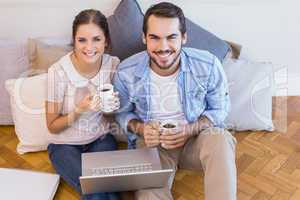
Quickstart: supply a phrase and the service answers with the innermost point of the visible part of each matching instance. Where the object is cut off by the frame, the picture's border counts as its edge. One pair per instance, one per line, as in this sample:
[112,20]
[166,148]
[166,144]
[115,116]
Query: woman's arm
[57,122]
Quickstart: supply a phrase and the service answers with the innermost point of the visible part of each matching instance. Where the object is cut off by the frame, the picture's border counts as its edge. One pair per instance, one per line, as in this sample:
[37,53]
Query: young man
[184,85]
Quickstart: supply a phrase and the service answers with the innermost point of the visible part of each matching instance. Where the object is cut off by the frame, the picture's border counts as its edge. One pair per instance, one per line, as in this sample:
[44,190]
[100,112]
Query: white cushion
[251,87]
[22,184]
[27,99]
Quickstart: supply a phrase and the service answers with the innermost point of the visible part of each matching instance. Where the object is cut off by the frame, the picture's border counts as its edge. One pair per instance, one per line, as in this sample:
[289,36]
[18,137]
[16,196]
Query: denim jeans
[66,160]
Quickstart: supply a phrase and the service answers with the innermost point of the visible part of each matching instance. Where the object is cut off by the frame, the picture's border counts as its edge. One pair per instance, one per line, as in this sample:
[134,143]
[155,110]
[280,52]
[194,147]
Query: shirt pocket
[139,102]
[197,100]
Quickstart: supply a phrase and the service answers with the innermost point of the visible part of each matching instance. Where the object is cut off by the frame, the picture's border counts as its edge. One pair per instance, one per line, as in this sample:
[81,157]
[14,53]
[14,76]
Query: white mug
[105,93]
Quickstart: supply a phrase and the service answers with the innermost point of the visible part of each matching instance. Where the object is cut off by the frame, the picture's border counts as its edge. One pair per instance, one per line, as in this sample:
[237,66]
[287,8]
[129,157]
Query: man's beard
[168,66]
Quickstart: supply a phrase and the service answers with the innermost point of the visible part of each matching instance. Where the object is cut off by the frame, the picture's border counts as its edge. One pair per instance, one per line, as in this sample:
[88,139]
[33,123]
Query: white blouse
[67,86]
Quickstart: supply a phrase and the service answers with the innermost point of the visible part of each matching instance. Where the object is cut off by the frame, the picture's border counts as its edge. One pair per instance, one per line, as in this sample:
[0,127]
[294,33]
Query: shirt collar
[75,77]
[142,68]
[184,66]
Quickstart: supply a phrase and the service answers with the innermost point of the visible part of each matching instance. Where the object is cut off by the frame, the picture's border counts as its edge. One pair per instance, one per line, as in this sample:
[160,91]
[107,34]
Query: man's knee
[216,140]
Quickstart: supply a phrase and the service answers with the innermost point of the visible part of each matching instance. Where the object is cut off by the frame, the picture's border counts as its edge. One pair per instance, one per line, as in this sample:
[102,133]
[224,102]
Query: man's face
[164,41]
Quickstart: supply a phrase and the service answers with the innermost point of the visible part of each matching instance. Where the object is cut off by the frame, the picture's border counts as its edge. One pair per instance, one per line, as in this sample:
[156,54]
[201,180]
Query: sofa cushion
[126,33]
[125,27]
[200,38]
[13,63]
[28,109]
[251,87]
[43,52]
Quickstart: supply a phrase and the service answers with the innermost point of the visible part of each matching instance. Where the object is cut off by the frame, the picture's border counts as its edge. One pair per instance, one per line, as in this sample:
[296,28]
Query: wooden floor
[268,163]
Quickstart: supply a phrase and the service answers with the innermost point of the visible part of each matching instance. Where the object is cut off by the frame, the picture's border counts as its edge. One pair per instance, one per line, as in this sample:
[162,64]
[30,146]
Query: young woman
[73,116]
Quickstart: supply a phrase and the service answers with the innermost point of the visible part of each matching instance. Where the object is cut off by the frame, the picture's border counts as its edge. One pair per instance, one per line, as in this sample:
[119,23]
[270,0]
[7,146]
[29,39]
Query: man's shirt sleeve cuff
[124,118]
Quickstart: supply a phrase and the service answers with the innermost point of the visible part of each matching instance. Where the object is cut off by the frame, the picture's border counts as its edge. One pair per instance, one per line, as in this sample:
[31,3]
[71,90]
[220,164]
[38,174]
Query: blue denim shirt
[203,88]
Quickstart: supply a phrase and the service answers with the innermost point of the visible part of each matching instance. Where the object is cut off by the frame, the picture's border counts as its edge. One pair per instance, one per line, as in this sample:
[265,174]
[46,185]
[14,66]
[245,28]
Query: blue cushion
[125,27]
[126,33]
[199,38]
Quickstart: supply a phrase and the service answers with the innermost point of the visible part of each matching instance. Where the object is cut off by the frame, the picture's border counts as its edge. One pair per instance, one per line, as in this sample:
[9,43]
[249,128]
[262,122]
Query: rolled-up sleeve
[217,98]
[126,111]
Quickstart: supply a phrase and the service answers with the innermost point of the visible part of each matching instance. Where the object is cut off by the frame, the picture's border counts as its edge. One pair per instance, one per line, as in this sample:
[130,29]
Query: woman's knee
[109,143]
[112,141]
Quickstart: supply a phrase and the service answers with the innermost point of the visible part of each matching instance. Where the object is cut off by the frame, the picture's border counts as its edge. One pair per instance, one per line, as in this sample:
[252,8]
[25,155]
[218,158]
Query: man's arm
[136,126]
[218,102]
[125,114]
[149,131]
[195,128]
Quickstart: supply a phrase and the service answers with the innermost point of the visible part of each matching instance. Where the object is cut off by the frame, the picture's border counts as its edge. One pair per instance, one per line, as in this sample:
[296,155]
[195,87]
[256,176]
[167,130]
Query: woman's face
[89,43]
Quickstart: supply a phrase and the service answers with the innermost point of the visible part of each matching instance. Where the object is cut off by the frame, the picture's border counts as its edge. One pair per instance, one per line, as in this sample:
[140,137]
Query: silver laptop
[123,170]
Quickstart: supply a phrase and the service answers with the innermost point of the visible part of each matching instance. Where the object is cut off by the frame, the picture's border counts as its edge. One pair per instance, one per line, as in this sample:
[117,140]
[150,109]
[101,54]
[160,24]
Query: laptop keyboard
[122,169]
